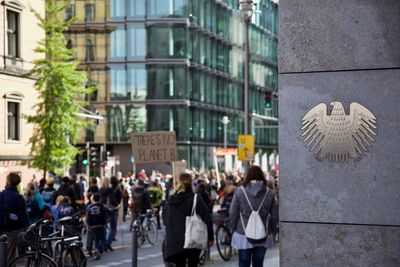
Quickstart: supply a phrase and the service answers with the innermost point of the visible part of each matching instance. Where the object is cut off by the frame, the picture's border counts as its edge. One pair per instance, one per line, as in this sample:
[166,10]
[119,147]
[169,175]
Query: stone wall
[339,213]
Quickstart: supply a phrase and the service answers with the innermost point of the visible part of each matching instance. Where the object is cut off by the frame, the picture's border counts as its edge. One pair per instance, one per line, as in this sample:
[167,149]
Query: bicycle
[223,237]
[147,228]
[34,256]
[66,252]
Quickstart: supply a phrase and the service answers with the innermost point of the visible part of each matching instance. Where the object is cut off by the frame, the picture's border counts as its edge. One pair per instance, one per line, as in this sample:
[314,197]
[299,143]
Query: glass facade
[177,65]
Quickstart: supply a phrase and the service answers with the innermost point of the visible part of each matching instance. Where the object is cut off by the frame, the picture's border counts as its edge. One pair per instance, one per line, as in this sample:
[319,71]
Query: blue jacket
[12,204]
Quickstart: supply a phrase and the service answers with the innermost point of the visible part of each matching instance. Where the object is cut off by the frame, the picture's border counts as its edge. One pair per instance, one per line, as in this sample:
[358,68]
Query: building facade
[19,35]
[175,65]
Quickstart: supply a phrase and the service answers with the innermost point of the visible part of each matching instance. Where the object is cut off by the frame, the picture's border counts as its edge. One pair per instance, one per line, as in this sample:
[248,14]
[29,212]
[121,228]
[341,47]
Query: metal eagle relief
[339,137]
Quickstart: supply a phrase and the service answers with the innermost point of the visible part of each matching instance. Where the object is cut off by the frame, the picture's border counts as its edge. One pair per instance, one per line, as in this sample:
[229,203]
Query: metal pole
[246,76]
[134,245]
[3,251]
[225,135]
[88,160]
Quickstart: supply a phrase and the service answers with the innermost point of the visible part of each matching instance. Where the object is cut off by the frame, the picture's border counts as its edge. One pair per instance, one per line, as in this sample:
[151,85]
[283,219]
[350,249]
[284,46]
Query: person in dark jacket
[113,202]
[13,216]
[96,220]
[253,190]
[66,190]
[93,188]
[178,206]
[202,191]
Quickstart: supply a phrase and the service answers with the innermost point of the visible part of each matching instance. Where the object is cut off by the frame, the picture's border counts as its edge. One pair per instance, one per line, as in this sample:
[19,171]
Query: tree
[58,84]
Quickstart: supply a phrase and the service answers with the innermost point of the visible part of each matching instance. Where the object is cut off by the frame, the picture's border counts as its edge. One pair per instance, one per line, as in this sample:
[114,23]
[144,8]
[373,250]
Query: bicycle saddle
[65,220]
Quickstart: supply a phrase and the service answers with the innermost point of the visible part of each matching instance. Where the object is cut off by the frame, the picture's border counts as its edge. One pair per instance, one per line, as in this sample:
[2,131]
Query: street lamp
[225,121]
[246,9]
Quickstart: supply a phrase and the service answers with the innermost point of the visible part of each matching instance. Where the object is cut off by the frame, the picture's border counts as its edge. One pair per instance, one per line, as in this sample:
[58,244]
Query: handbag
[196,234]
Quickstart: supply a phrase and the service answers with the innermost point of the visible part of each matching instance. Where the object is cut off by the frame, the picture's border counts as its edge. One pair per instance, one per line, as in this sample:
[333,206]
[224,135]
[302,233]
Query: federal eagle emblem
[339,137]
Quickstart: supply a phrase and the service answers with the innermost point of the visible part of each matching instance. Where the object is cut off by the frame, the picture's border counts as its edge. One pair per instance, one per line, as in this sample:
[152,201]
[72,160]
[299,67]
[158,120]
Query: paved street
[151,256]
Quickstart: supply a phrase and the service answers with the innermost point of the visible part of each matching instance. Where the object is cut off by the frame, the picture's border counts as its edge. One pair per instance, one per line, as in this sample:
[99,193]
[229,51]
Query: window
[118,82]
[13,34]
[69,44]
[167,8]
[118,44]
[137,82]
[69,12]
[137,42]
[89,12]
[13,121]
[89,50]
[117,9]
[137,8]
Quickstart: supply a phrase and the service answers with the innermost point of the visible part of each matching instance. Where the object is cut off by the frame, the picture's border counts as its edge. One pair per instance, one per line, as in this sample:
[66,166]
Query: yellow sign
[246,147]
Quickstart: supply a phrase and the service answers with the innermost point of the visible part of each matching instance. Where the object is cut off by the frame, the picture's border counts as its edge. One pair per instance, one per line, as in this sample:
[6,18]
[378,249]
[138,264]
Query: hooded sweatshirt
[174,217]
[255,192]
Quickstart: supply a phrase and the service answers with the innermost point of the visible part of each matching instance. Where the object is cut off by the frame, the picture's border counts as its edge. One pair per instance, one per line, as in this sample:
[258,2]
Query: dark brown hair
[13,179]
[254,173]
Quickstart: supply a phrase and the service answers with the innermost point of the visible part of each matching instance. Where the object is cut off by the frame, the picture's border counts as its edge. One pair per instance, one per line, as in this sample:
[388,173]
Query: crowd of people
[98,202]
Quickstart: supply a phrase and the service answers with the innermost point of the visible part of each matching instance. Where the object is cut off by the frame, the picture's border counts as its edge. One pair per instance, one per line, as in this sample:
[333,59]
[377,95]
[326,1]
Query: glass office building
[176,65]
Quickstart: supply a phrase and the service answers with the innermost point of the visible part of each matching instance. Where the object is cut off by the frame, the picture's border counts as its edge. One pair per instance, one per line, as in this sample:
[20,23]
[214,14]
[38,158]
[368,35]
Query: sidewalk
[271,259]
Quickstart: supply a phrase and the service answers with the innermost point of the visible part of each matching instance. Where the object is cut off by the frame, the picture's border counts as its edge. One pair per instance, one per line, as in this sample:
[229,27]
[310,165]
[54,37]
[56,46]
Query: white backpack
[255,230]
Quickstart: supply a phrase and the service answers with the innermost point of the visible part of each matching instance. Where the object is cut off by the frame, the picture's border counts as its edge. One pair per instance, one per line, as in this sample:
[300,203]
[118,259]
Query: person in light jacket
[178,206]
[255,186]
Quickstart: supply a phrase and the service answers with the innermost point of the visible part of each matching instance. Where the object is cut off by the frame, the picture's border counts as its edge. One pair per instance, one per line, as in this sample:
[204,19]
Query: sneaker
[109,248]
[90,253]
[97,255]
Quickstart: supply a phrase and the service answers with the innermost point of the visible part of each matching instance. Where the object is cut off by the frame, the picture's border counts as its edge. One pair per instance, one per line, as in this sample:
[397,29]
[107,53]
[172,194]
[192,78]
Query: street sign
[246,147]
[226,152]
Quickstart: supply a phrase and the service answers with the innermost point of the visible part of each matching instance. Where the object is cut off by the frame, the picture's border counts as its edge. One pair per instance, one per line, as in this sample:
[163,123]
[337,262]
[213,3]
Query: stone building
[19,35]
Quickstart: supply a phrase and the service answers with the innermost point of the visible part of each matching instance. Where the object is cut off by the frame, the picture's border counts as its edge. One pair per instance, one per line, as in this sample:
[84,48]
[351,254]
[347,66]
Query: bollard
[3,251]
[134,244]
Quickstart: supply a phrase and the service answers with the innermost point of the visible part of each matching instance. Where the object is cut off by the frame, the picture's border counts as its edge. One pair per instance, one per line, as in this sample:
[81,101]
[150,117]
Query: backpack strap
[248,201]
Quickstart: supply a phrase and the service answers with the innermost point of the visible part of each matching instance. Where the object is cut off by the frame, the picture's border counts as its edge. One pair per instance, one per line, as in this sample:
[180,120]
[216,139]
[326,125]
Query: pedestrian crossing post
[134,244]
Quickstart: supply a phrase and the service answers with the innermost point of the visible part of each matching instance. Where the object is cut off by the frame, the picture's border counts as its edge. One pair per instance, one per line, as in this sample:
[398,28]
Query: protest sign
[151,147]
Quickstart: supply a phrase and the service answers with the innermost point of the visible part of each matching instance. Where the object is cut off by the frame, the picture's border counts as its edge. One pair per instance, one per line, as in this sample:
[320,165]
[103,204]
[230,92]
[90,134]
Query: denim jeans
[98,237]
[112,219]
[253,255]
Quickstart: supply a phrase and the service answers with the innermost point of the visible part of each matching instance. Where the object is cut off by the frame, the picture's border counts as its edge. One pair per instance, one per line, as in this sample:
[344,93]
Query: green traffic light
[85,162]
[267,105]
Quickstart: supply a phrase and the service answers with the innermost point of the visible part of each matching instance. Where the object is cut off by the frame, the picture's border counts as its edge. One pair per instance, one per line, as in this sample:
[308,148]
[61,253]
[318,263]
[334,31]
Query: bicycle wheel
[73,257]
[140,235]
[29,260]
[151,232]
[223,240]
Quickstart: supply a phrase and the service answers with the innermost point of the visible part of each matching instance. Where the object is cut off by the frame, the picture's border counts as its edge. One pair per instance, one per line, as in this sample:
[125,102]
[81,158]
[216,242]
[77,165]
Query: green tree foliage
[59,85]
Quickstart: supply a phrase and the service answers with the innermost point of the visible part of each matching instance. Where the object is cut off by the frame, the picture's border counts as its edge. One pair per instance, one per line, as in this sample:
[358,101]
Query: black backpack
[32,207]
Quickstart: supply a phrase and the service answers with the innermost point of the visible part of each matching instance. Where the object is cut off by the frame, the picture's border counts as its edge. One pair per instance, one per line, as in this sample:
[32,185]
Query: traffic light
[268,100]
[85,161]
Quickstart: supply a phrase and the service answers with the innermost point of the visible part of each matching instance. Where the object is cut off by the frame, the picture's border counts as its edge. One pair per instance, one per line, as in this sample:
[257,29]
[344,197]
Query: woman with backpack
[34,203]
[250,197]
[178,207]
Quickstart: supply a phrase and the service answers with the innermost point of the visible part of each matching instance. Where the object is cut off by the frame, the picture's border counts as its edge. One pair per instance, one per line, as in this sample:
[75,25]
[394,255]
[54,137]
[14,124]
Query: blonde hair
[184,181]
[29,190]
[59,200]
[105,183]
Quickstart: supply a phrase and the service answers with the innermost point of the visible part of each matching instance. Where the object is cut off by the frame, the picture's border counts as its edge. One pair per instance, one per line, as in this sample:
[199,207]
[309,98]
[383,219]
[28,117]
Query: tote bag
[196,234]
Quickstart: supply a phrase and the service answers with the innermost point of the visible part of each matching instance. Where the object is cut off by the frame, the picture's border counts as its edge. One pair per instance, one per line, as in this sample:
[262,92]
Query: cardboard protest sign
[151,147]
